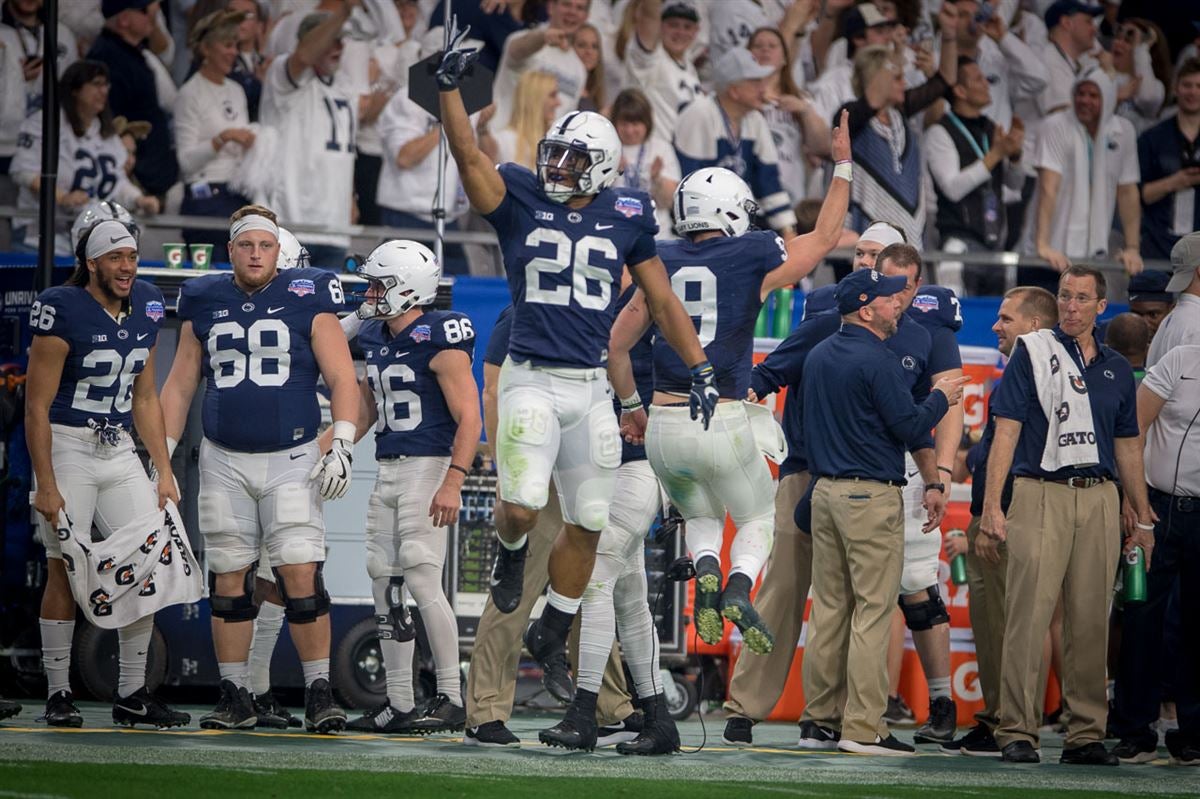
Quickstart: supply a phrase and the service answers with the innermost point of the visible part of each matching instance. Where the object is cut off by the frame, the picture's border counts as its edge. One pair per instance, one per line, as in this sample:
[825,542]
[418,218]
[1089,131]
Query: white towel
[1088,223]
[1063,394]
[258,178]
[135,572]
[768,435]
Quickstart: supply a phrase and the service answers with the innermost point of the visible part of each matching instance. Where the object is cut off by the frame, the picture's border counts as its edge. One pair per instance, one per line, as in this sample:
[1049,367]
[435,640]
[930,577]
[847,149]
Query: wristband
[1147,527]
[458,468]
[844,170]
[936,487]
[345,431]
[631,403]
[945,469]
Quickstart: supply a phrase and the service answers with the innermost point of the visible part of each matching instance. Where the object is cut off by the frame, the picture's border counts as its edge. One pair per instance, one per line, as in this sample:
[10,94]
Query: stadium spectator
[546,48]
[586,42]
[535,106]
[731,23]
[656,58]
[1182,325]
[647,162]
[1087,168]
[864,26]
[212,130]
[730,131]
[1142,72]
[1129,335]
[1062,525]
[1149,298]
[314,112]
[971,159]
[885,143]
[135,92]
[801,134]
[1068,54]
[23,38]
[1169,156]
[90,155]
[1010,67]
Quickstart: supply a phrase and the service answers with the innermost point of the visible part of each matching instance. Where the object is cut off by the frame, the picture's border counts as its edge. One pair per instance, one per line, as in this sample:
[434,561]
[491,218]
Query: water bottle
[1133,575]
[958,566]
[782,323]
[760,325]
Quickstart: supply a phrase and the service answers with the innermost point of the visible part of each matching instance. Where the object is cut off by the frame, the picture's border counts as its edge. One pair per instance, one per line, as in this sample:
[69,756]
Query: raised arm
[313,47]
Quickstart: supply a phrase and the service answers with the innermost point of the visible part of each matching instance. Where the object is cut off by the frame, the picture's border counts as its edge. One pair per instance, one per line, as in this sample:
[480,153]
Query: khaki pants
[858,555]
[1060,540]
[758,680]
[985,583]
[492,678]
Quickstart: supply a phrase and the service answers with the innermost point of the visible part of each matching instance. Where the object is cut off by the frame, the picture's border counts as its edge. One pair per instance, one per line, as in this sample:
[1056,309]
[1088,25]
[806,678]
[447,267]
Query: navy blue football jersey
[563,265]
[413,418]
[937,310]
[497,345]
[259,367]
[106,355]
[719,281]
[642,359]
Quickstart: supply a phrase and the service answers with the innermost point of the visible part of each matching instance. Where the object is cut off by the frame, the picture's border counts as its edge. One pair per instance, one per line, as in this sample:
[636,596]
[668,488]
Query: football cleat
[942,723]
[508,577]
[709,625]
[321,714]
[234,710]
[659,736]
[272,714]
[551,655]
[575,731]
[385,719]
[61,711]
[736,606]
[8,708]
[142,707]
[441,715]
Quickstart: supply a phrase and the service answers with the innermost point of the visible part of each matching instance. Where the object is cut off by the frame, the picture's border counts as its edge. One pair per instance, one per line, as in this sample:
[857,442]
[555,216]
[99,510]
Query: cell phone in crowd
[986,11]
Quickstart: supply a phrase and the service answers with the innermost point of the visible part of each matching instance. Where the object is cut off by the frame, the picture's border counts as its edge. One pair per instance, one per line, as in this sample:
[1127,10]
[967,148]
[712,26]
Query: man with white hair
[730,131]
[261,339]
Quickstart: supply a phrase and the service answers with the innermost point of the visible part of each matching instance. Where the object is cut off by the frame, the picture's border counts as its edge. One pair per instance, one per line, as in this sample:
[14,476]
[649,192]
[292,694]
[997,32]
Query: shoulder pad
[936,307]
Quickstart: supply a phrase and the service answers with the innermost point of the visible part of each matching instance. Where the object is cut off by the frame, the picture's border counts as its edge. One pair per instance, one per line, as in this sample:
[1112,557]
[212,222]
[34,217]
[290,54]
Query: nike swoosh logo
[913,474]
[276,310]
[297,456]
[139,712]
[115,239]
[1181,377]
[602,227]
[59,660]
[493,581]
[142,336]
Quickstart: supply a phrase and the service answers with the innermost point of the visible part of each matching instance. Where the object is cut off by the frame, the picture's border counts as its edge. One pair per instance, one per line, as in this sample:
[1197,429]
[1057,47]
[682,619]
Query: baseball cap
[110,8]
[859,288]
[820,300]
[680,10]
[737,64]
[1064,8]
[1185,257]
[1150,286]
[861,17]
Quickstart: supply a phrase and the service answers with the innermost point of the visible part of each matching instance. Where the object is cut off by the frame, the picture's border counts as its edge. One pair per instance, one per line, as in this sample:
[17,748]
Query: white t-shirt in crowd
[789,143]
[639,161]
[414,190]
[563,64]
[668,84]
[317,119]
[731,23]
[1173,461]
[202,110]
[1061,74]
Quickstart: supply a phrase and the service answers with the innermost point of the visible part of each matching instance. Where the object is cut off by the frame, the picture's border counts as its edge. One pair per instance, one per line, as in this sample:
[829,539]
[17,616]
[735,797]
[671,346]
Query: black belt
[1180,504]
[858,479]
[1075,482]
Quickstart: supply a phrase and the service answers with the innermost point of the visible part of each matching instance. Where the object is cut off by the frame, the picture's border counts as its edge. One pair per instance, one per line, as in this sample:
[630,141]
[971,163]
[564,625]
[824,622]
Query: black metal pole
[50,117]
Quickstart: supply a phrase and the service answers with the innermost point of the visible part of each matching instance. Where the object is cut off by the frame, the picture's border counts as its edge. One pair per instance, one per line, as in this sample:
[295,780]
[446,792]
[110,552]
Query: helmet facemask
[564,169]
[387,301]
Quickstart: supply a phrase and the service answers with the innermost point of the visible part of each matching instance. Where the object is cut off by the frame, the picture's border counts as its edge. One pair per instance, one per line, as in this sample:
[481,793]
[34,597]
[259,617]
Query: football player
[723,470]
[91,375]
[566,237]
[420,395]
[261,338]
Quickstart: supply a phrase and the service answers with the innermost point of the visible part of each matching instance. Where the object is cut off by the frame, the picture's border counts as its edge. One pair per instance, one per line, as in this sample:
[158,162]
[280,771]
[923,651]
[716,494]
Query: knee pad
[417,553]
[925,615]
[591,515]
[305,609]
[301,551]
[395,624]
[234,608]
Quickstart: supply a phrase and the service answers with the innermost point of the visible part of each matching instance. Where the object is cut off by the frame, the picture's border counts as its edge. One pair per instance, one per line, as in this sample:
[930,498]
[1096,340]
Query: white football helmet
[292,254]
[405,275]
[714,198]
[100,211]
[580,155]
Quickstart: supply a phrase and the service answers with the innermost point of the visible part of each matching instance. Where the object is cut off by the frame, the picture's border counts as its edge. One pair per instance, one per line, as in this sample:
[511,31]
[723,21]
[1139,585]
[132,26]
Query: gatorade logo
[966,682]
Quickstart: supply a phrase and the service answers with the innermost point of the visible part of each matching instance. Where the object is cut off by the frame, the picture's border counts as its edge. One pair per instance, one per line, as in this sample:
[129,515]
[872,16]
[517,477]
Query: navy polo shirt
[977,464]
[1111,393]
[859,411]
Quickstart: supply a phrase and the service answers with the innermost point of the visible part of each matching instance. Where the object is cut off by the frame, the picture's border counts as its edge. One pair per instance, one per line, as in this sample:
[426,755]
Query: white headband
[107,236]
[882,233]
[253,222]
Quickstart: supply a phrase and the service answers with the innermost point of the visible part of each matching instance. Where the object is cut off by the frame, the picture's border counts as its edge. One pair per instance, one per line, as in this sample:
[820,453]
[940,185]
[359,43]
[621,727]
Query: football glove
[333,472]
[702,400]
[456,60]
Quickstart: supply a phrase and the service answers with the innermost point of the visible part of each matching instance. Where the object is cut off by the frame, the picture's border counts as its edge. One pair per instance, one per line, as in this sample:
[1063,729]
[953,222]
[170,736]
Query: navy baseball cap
[1150,286]
[860,287]
[110,8]
[820,300]
[1064,8]
[680,10]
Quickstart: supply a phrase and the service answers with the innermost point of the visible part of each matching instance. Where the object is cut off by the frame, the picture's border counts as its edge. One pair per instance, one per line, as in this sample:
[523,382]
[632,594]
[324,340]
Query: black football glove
[456,60]
[702,400]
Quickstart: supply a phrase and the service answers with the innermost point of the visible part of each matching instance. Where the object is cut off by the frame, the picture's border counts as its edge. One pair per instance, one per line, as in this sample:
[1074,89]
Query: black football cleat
[234,710]
[508,577]
[321,713]
[142,707]
[551,654]
[61,711]
[576,731]
[441,715]
[272,714]
[385,720]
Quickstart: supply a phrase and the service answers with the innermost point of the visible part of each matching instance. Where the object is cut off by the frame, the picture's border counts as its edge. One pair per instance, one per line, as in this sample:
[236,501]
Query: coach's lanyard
[734,139]
[958,123]
[633,178]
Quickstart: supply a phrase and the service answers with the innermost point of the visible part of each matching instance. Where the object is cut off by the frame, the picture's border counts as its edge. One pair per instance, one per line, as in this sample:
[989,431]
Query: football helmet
[99,211]
[579,155]
[403,273]
[714,198]
[292,254]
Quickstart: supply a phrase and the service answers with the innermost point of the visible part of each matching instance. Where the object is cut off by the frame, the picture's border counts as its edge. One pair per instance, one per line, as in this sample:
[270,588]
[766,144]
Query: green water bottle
[1133,575]
[782,323]
[958,566]
[760,325]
